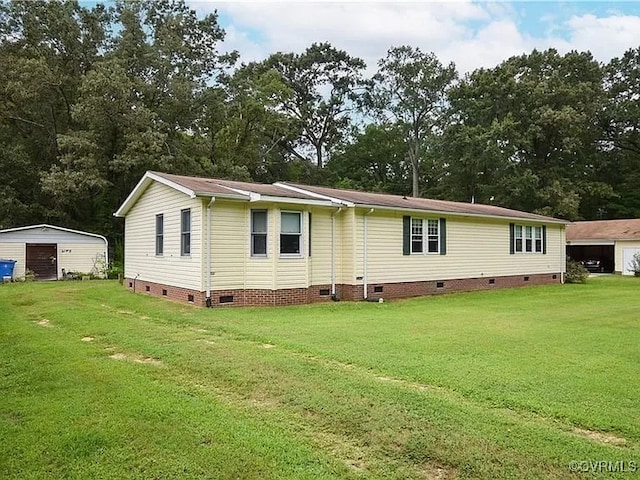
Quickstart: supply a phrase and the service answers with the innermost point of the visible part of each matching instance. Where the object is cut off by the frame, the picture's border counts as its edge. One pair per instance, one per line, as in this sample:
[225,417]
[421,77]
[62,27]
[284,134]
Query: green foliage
[576,272]
[374,161]
[410,90]
[92,96]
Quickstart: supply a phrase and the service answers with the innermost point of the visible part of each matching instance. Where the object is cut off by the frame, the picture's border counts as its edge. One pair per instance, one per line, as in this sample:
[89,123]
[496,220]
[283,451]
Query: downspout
[333,253]
[364,254]
[208,247]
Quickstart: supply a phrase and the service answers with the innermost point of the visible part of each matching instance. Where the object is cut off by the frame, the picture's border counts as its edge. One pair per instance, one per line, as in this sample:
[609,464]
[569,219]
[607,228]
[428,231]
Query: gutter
[333,253]
[207,269]
[364,253]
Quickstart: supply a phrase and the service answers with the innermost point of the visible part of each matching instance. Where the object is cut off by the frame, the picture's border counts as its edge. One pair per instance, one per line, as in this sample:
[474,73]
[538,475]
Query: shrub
[634,265]
[116,269]
[576,273]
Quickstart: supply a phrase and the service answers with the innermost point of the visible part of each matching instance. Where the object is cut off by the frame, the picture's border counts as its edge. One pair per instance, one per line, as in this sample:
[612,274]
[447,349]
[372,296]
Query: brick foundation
[320,293]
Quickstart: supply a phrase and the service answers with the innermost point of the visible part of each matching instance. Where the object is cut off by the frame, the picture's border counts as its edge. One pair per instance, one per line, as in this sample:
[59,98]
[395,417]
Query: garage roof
[628,229]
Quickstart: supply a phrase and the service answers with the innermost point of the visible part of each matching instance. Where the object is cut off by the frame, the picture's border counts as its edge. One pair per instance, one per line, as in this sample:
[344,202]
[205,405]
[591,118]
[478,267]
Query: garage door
[627,257]
[41,259]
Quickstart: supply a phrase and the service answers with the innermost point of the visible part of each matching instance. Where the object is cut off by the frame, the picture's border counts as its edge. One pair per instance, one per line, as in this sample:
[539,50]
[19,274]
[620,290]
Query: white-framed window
[518,238]
[258,233]
[290,233]
[185,232]
[425,235]
[159,234]
[417,239]
[538,239]
[527,239]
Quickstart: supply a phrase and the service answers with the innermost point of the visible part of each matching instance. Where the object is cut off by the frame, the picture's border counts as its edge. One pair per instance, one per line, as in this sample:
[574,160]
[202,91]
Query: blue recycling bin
[6,268]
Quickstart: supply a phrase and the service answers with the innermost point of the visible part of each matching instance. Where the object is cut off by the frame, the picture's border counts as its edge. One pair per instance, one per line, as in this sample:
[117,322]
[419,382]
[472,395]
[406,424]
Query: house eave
[544,220]
[142,185]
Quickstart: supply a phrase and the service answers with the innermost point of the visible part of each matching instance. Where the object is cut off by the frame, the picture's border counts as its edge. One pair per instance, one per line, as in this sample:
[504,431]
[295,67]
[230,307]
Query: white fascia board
[253,196]
[298,201]
[144,182]
[594,242]
[171,184]
[316,195]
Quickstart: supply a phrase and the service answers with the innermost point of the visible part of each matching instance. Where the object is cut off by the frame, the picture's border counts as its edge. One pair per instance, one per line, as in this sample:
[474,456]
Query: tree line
[91,98]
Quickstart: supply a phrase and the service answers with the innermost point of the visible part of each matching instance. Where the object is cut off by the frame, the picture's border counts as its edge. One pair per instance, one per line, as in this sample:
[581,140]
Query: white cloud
[606,37]
[471,34]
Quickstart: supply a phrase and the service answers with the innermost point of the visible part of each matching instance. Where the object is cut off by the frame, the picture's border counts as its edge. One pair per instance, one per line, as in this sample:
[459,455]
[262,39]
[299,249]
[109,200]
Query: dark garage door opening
[603,253]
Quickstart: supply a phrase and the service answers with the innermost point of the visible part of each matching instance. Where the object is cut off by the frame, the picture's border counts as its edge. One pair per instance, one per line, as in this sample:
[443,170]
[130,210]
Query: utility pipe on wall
[333,252]
[364,253]
[208,247]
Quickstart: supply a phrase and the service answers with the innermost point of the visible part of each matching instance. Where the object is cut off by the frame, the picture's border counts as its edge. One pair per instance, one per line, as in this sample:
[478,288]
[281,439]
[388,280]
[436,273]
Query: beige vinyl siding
[321,247]
[346,232]
[475,248]
[291,271]
[82,258]
[620,245]
[140,236]
[229,245]
[14,251]
[261,271]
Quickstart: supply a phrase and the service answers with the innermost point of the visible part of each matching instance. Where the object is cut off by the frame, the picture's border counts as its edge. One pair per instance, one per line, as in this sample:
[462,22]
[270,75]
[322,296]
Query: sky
[472,34]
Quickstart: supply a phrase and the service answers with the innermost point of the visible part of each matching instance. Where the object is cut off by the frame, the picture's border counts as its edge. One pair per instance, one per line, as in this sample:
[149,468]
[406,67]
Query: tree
[45,49]
[323,82]
[620,145]
[410,90]
[531,124]
[246,126]
[374,161]
[138,108]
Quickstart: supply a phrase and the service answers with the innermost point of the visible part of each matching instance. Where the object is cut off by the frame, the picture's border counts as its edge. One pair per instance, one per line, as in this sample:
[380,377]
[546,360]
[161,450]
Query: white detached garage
[51,252]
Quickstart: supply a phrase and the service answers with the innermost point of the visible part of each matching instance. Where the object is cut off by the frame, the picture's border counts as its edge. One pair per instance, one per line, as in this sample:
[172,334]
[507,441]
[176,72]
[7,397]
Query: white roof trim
[171,184]
[293,200]
[591,242]
[313,194]
[54,227]
[142,185]
[253,196]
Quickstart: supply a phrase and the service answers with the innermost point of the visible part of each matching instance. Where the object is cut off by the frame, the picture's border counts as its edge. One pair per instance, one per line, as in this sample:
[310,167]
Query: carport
[603,252]
[612,242]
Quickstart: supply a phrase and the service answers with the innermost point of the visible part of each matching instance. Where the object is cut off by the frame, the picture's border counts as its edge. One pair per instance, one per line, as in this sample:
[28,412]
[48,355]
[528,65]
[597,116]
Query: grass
[97,382]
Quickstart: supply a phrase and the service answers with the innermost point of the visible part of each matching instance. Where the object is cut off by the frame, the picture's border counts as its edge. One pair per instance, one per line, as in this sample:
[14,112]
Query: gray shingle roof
[284,190]
[414,203]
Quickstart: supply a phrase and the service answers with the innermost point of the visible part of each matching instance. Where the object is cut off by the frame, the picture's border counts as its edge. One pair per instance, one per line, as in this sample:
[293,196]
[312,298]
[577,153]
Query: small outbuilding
[52,252]
[613,243]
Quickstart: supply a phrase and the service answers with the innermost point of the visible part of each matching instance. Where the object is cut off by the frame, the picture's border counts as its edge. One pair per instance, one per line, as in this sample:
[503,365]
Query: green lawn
[97,382]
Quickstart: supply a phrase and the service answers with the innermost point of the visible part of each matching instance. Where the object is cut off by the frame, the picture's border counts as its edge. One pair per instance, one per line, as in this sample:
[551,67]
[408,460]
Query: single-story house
[612,242]
[216,242]
[51,252]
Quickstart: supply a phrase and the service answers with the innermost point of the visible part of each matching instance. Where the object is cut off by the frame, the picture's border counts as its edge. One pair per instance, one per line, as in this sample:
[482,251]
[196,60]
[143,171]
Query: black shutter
[512,238]
[406,235]
[544,239]
[309,233]
[443,236]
